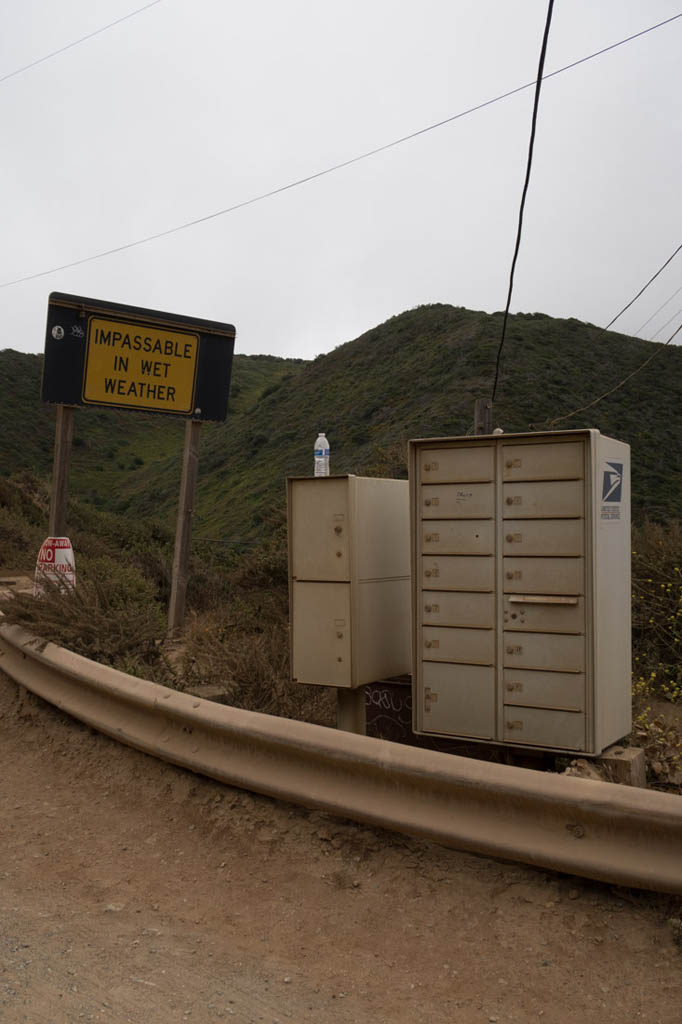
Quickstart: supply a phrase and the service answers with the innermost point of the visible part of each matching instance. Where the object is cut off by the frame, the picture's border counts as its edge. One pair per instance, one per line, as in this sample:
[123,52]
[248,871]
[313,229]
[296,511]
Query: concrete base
[626,765]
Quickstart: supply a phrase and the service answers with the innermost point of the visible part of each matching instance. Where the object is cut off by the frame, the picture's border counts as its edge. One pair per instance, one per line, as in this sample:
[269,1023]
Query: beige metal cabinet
[349,579]
[521,589]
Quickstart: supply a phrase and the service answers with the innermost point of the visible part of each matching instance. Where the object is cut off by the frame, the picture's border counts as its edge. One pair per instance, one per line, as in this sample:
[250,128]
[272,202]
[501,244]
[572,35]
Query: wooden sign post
[183,531]
[60,471]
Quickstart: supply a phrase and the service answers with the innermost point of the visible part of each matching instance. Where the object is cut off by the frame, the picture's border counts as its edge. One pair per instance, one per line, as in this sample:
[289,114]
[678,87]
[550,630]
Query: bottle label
[322,453]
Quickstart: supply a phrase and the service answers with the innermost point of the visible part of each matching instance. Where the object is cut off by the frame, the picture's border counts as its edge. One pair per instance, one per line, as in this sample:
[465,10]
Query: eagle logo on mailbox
[612,488]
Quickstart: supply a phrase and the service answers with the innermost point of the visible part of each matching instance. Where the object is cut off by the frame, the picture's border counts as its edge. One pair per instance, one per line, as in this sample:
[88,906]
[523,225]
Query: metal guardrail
[613,833]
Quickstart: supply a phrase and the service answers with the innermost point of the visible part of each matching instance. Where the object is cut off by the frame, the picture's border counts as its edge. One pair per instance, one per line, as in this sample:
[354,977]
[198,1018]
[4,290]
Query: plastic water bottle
[321,455]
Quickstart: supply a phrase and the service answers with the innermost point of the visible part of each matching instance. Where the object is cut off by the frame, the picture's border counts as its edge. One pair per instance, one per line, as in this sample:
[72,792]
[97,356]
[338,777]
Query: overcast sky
[191,107]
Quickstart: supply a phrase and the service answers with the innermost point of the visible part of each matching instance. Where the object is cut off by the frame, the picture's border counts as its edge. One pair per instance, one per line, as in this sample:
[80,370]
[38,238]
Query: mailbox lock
[339,554]
[338,530]
[427,607]
[339,635]
[427,538]
[509,575]
[509,463]
[509,501]
[427,572]
[427,501]
[427,643]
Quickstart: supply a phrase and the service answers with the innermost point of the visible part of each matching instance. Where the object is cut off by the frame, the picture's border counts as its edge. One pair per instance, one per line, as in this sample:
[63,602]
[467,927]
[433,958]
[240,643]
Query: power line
[529,164]
[642,290]
[666,324]
[335,167]
[560,419]
[656,312]
[77,42]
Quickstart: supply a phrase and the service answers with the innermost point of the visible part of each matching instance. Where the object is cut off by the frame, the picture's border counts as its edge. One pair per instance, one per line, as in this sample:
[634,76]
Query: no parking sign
[56,560]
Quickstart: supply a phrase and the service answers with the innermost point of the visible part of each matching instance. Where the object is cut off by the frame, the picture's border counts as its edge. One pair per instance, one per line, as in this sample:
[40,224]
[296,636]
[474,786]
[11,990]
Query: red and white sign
[56,560]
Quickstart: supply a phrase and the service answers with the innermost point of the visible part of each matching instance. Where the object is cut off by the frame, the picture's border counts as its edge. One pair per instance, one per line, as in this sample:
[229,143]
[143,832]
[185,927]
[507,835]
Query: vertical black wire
[536,103]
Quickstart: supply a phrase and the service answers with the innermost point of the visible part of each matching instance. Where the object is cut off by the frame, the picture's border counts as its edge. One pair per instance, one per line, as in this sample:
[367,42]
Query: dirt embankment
[132,891]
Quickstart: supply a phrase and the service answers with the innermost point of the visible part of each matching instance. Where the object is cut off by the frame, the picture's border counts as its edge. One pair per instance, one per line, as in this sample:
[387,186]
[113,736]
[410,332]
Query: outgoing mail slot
[472,646]
[457,609]
[543,461]
[550,499]
[544,613]
[543,537]
[461,501]
[450,572]
[458,537]
[544,575]
[540,651]
[543,728]
[561,690]
[449,464]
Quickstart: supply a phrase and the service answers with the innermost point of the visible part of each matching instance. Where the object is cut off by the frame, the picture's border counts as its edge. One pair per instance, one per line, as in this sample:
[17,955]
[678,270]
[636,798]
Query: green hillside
[416,375]
[116,456]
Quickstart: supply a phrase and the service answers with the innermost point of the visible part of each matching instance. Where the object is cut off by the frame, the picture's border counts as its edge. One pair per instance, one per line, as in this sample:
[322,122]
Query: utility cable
[642,290]
[666,324]
[560,419]
[77,42]
[656,312]
[335,167]
[548,424]
[529,164]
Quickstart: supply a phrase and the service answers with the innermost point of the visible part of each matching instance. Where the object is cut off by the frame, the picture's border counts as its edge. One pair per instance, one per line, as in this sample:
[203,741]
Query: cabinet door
[320,527]
[438,465]
[563,537]
[544,651]
[563,691]
[544,728]
[551,461]
[546,500]
[443,608]
[458,537]
[473,646]
[321,634]
[544,575]
[457,700]
[458,501]
[452,572]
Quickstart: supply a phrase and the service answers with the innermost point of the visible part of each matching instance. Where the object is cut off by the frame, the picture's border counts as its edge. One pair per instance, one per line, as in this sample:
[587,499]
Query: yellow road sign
[139,367]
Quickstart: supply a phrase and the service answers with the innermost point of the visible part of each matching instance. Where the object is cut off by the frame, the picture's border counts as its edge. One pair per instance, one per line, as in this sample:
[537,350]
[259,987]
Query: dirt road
[133,891]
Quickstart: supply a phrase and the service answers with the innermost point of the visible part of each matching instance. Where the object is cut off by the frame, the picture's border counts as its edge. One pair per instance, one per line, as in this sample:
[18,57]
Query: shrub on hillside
[657,608]
[109,616]
[20,541]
